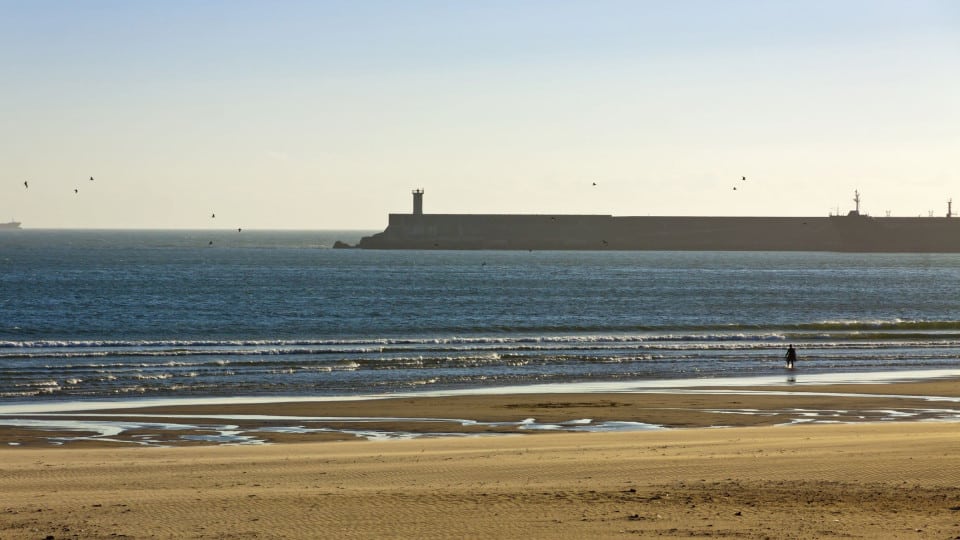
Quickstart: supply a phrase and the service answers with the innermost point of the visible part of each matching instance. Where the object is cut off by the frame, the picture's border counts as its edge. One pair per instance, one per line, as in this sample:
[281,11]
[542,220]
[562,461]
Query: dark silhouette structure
[853,232]
[418,202]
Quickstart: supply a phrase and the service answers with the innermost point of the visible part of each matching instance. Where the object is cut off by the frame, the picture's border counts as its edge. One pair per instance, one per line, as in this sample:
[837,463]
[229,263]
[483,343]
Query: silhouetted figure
[744,178]
[239,229]
[91,179]
[791,356]
[212,216]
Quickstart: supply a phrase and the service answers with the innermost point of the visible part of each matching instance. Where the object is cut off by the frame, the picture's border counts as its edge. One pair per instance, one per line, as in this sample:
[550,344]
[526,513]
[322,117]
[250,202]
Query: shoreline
[790,378]
[621,407]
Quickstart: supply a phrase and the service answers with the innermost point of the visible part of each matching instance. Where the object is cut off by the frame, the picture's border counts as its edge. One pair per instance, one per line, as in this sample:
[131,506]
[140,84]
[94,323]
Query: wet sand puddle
[238,429]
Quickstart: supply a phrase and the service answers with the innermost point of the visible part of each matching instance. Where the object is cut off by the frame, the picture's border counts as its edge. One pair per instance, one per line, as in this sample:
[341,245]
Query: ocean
[93,315]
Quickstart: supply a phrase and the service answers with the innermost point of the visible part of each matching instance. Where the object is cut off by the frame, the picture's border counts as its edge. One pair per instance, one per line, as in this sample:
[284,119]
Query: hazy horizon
[325,115]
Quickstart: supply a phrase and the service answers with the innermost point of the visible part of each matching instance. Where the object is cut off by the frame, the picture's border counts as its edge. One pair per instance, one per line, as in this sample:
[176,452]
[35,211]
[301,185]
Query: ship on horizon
[10,225]
[851,232]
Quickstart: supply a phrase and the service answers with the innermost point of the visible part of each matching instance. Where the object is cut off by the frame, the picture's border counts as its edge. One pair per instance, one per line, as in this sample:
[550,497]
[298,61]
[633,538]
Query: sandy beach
[853,461]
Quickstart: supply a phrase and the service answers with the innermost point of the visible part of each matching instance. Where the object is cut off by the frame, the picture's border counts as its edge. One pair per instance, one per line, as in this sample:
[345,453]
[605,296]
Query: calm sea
[105,314]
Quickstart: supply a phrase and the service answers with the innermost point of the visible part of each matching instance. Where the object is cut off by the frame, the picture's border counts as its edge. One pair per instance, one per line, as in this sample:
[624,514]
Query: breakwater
[853,233]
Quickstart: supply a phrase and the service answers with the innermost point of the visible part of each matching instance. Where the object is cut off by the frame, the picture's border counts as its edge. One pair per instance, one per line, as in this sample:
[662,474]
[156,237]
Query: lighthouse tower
[418,202]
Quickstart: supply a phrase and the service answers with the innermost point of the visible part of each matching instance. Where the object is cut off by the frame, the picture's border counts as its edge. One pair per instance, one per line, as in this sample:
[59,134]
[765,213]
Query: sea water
[88,315]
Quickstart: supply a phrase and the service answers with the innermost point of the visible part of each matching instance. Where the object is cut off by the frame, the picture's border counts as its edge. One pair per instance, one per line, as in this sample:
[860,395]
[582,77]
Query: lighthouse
[418,202]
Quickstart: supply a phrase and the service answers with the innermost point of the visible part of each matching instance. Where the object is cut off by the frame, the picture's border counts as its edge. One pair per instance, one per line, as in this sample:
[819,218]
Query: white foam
[656,385]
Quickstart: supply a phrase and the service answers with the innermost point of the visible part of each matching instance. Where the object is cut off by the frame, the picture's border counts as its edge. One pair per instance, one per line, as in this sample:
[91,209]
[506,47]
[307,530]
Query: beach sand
[861,478]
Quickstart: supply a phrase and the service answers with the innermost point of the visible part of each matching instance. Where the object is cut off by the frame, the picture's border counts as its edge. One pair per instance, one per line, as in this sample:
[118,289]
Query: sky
[326,114]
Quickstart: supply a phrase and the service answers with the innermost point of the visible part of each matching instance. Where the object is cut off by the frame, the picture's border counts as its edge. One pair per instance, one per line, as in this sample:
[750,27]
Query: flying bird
[212,216]
[91,179]
[25,185]
[75,190]
[744,178]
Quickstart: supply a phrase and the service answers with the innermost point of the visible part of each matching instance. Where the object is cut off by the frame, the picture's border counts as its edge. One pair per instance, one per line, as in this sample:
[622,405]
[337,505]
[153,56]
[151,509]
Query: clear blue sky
[324,115]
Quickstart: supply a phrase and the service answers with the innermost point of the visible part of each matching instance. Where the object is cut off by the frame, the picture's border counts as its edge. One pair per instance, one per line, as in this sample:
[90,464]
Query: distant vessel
[853,232]
[10,225]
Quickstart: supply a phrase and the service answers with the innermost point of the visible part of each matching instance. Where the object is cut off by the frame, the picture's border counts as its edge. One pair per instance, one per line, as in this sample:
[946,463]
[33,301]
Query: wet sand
[306,421]
[781,469]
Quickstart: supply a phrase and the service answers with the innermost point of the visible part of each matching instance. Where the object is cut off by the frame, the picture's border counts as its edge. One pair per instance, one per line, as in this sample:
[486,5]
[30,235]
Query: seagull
[744,178]
[594,183]
[213,216]
[75,190]
[25,185]
[91,179]
[734,188]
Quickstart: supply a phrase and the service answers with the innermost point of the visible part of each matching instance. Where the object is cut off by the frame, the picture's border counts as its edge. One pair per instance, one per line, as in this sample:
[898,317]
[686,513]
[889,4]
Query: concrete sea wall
[604,232]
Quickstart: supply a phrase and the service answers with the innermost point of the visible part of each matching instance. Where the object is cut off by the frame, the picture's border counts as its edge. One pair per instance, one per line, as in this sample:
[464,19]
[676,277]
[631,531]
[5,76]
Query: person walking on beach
[791,356]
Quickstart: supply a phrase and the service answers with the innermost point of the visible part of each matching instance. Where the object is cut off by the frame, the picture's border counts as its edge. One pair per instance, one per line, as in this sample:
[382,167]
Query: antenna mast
[856,199]
[950,208]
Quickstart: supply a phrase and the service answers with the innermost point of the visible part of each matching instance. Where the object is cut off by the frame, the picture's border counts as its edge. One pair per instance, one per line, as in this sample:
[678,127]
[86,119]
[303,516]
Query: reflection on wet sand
[638,407]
